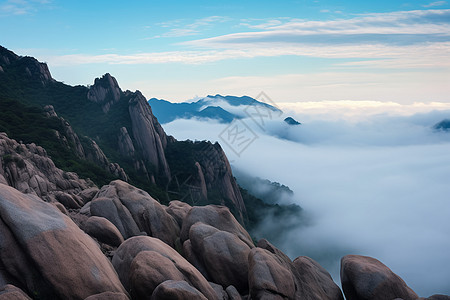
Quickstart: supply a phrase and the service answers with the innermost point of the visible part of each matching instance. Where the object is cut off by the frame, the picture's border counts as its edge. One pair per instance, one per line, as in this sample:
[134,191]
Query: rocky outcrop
[149,136]
[105,91]
[92,152]
[126,147]
[68,136]
[367,278]
[38,233]
[29,169]
[216,216]
[134,211]
[214,174]
[28,67]
[143,263]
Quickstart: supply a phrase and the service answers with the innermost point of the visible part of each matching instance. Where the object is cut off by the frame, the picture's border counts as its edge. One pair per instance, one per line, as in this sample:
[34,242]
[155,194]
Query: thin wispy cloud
[402,40]
[435,3]
[180,29]
[405,27]
[21,7]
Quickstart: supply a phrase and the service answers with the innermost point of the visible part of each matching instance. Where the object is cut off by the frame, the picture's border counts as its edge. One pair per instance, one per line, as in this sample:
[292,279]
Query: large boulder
[10,292]
[315,281]
[143,263]
[216,216]
[53,258]
[108,296]
[268,278]
[177,290]
[367,278]
[311,280]
[132,211]
[223,255]
[103,230]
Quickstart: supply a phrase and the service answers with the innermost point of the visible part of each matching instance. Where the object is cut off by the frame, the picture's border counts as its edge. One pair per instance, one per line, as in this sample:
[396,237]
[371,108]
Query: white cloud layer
[377,187]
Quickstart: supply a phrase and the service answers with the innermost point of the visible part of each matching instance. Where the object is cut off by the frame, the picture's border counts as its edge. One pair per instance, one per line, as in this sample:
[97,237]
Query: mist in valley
[377,187]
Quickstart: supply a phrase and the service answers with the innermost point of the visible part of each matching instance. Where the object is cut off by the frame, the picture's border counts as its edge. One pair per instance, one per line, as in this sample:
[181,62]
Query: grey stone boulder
[103,230]
[217,216]
[223,255]
[367,278]
[177,290]
[144,262]
[53,258]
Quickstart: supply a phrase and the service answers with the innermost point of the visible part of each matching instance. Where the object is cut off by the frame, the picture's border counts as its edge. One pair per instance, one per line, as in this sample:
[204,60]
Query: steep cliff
[114,129]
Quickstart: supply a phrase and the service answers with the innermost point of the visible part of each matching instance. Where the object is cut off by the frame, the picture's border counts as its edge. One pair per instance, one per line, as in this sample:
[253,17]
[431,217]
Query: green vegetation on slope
[30,125]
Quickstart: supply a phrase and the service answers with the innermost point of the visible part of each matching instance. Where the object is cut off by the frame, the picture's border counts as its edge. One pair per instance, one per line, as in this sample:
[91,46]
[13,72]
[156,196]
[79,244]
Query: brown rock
[148,270]
[365,277]
[315,281]
[53,257]
[223,254]
[192,257]
[177,290]
[10,292]
[158,267]
[103,230]
[218,217]
[267,277]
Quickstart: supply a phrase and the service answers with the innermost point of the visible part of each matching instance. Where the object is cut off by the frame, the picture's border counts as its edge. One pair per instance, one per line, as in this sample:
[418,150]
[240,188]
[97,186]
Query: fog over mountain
[376,187]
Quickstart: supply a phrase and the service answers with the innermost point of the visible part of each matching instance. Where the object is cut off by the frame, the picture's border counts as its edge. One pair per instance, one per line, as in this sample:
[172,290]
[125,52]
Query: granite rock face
[28,169]
[147,132]
[52,257]
[105,91]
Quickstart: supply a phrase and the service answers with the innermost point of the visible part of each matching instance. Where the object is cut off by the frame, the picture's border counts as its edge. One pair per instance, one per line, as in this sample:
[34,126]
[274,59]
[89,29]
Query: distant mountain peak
[292,121]
[221,108]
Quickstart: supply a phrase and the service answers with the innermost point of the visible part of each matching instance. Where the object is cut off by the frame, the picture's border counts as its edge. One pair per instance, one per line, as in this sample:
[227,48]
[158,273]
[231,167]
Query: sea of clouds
[376,185]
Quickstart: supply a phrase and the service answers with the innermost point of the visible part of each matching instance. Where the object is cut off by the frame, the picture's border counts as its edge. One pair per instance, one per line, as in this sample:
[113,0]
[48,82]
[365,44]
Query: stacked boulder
[161,252]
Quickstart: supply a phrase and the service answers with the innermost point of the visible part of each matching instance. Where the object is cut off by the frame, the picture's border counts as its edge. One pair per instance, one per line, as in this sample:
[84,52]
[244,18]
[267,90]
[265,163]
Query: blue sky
[295,51]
